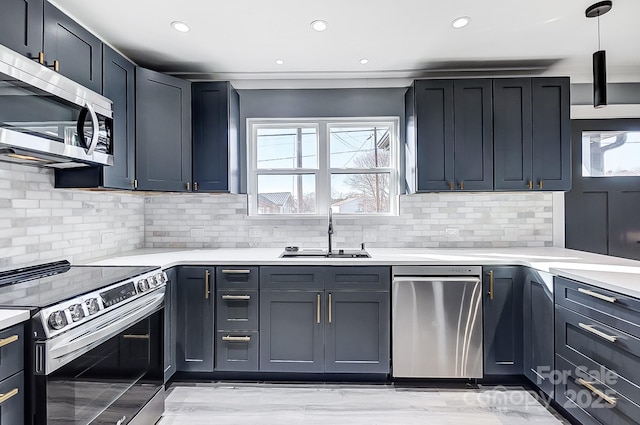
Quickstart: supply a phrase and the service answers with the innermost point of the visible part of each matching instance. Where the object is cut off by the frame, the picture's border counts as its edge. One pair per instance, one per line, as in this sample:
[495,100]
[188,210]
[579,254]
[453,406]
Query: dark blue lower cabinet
[170,323]
[12,405]
[292,331]
[502,305]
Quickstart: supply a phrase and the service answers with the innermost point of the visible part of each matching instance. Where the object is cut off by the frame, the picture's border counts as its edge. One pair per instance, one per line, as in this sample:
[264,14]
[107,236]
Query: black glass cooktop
[41,286]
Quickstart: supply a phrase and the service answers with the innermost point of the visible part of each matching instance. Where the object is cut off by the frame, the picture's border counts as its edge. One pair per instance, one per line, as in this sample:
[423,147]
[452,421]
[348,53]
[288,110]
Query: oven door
[105,372]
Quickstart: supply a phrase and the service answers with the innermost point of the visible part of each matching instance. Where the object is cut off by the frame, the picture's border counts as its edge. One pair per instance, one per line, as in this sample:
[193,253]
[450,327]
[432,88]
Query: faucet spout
[330,230]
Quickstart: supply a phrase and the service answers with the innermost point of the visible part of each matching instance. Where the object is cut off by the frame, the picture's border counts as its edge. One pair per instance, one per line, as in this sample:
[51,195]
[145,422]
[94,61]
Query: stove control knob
[152,281]
[57,320]
[143,285]
[76,312]
[161,278]
[92,305]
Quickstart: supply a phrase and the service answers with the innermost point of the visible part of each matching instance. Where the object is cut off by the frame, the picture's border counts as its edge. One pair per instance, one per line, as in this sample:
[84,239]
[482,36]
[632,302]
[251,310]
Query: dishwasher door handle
[399,279]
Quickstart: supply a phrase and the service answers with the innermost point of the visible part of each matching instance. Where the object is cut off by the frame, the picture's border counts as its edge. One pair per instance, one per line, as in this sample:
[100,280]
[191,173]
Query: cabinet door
[21,26]
[12,409]
[473,119]
[502,320]
[434,134]
[78,52]
[538,329]
[163,132]
[551,134]
[215,137]
[170,323]
[291,331]
[195,319]
[512,133]
[119,85]
[357,332]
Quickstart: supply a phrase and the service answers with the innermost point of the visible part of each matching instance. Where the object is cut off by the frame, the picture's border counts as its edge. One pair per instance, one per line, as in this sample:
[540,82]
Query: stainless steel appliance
[437,322]
[49,120]
[96,345]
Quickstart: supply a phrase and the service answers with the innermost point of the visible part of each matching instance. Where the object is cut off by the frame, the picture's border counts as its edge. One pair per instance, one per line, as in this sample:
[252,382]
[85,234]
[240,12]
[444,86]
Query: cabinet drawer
[237,277]
[355,278]
[616,310]
[237,351]
[295,278]
[12,400]
[11,350]
[575,394]
[593,345]
[237,310]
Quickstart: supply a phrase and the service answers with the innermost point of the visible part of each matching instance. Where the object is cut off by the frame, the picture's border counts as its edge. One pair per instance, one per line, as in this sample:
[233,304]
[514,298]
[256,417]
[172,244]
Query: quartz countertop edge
[9,317]
[603,271]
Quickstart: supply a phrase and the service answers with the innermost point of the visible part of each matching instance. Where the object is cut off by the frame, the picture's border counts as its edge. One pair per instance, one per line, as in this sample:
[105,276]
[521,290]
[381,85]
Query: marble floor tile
[284,404]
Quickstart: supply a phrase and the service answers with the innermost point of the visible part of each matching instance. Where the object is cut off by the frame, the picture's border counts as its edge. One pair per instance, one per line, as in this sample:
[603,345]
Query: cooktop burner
[49,284]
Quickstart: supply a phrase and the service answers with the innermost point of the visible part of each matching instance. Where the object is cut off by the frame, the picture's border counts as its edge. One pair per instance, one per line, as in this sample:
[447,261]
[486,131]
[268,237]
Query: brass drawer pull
[6,396]
[589,385]
[7,341]
[133,336]
[207,291]
[530,184]
[597,295]
[540,184]
[236,297]
[318,309]
[491,285]
[236,338]
[330,308]
[590,328]
[237,271]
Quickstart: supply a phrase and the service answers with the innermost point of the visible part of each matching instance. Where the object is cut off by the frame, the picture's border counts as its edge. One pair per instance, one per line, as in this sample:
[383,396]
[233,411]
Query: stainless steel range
[96,342]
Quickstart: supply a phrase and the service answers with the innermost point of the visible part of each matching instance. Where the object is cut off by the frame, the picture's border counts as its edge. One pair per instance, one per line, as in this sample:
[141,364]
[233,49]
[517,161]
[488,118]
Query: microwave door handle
[96,128]
[80,127]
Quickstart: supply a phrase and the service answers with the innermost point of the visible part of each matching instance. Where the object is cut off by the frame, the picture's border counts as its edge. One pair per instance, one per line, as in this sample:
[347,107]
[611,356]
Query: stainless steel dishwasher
[437,322]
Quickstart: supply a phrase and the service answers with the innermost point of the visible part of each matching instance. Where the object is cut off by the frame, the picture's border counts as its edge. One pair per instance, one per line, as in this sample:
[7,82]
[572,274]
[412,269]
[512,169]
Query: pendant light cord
[599,31]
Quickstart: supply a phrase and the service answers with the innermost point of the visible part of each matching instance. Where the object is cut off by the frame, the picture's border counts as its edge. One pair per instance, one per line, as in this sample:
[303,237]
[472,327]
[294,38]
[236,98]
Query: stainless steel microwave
[49,120]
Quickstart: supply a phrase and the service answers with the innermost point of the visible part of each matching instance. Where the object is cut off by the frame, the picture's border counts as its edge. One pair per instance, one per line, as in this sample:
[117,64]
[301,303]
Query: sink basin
[322,253]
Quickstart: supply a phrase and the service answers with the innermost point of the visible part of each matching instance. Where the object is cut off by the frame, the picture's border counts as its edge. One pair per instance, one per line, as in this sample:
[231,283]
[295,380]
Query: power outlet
[108,237]
[197,232]
[452,232]
[255,232]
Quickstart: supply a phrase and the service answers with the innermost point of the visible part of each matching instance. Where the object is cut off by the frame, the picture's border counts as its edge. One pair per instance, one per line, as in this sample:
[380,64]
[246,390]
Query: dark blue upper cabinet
[532,134]
[452,122]
[163,132]
[78,52]
[216,120]
[21,26]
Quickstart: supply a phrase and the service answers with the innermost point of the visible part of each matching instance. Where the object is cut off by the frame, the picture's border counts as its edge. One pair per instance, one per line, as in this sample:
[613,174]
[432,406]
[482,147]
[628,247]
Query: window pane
[359,147]
[287,148]
[360,193]
[610,153]
[287,194]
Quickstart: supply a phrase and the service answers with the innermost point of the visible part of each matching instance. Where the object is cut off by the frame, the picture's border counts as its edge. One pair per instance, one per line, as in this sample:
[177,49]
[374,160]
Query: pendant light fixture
[599,59]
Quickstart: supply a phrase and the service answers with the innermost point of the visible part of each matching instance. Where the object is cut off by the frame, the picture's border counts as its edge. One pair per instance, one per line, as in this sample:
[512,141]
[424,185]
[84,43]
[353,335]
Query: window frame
[323,173]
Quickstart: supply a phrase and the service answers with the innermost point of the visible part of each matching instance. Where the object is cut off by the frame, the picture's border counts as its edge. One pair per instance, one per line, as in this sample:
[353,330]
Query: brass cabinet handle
[589,385]
[6,396]
[206,285]
[318,309]
[188,186]
[461,185]
[135,184]
[236,297]
[540,184]
[56,66]
[597,295]
[329,307]
[491,280]
[590,328]
[133,336]
[236,271]
[450,185]
[40,58]
[236,338]
[530,184]
[7,341]
[195,186]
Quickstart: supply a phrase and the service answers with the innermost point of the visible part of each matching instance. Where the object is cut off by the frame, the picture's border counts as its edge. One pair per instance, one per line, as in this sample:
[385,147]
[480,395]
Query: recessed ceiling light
[319,25]
[279,62]
[461,22]
[364,61]
[180,26]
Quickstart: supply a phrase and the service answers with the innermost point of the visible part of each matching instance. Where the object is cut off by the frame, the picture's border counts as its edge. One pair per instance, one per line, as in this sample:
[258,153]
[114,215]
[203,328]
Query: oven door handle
[65,348]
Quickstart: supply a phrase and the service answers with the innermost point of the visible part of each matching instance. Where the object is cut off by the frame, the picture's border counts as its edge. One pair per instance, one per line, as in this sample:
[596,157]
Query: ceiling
[240,40]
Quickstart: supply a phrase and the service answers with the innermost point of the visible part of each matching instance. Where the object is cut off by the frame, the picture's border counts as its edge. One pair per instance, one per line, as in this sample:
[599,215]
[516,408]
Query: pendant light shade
[599,58]
[599,79]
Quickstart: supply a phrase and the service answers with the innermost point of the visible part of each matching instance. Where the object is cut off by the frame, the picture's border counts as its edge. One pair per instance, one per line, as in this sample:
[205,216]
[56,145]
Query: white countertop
[613,273]
[9,318]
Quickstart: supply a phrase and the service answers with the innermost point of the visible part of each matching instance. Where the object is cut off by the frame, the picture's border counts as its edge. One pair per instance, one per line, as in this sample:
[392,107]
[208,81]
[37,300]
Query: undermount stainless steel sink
[340,253]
